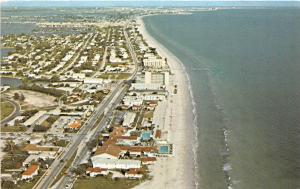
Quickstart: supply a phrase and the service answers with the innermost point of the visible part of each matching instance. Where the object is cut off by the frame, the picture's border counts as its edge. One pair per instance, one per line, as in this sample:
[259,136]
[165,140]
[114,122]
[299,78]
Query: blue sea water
[244,67]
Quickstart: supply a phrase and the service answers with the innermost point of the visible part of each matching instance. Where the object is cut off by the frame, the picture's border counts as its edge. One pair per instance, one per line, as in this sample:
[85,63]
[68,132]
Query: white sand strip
[175,172]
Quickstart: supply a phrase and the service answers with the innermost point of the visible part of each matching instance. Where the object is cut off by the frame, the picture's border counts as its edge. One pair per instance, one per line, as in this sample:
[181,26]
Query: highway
[132,53]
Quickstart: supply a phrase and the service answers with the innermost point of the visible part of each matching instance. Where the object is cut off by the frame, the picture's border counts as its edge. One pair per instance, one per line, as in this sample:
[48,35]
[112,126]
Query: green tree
[16,96]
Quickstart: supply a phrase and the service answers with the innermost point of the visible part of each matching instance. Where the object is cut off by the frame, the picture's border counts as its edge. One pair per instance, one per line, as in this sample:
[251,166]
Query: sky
[146,0]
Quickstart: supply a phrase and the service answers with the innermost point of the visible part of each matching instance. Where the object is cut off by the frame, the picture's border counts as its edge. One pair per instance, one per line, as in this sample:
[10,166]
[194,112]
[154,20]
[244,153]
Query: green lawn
[6,109]
[31,183]
[105,183]
[13,129]
[148,114]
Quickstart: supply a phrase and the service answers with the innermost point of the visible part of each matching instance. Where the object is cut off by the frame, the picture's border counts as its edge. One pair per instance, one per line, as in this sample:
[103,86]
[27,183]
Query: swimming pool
[164,149]
[146,136]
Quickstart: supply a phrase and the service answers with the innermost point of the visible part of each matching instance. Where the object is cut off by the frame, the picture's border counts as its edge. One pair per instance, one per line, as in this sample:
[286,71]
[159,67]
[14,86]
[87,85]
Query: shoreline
[177,171]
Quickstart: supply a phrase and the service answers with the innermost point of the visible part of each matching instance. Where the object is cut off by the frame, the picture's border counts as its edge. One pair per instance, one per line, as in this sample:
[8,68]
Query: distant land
[159,4]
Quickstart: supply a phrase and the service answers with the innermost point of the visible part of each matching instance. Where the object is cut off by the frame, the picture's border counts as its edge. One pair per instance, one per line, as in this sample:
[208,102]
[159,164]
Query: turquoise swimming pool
[146,135]
[164,149]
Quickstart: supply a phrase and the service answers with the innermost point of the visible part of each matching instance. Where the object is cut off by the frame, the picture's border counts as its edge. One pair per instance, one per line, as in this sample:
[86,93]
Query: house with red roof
[134,173]
[95,171]
[30,172]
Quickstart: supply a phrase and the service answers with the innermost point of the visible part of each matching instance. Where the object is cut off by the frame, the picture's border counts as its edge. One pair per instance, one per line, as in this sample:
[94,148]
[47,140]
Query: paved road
[98,72]
[132,53]
[15,113]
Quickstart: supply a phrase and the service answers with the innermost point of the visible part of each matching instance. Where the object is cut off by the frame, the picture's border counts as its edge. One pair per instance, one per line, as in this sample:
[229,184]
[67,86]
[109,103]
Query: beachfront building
[30,172]
[161,78]
[138,151]
[127,140]
[145,87]
[115,163]
[151,61]
[148,160]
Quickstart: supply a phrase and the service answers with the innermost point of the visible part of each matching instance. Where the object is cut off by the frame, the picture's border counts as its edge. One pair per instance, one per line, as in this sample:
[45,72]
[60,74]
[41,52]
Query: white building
[154,62]
[115,163]
[93,81]
[148,78]
[96,171]
[143,86]
[128,119]
[34,118]
[132,101]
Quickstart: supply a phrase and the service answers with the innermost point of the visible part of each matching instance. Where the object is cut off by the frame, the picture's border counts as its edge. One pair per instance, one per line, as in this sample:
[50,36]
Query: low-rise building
[75,125]
[128,119]
[34,118]
[95,171]
[108,152]
[148,160]
[115,163]
[49,151]
[134,174]
[30,172]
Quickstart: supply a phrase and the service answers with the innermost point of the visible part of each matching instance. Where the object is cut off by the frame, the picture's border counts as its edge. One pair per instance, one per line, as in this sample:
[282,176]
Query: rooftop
[30,170]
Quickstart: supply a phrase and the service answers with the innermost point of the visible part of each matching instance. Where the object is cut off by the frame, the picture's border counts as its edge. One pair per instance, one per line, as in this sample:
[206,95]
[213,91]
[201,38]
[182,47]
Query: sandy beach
[176,171]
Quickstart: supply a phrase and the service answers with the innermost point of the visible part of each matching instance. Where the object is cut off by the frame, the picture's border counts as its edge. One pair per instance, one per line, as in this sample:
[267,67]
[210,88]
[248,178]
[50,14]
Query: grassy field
[6,109]
[105,183]
[13,129]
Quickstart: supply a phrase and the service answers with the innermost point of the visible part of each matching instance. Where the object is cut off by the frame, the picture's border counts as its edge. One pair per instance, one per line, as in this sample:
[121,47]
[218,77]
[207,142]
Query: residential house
[134,173]
[30,172]
[95,171]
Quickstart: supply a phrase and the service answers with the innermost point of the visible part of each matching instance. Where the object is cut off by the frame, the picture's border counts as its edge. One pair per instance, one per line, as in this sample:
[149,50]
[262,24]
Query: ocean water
[244,67]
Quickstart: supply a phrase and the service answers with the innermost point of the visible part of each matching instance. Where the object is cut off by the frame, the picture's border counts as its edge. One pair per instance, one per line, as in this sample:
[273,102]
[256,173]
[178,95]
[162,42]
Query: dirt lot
[34,99]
